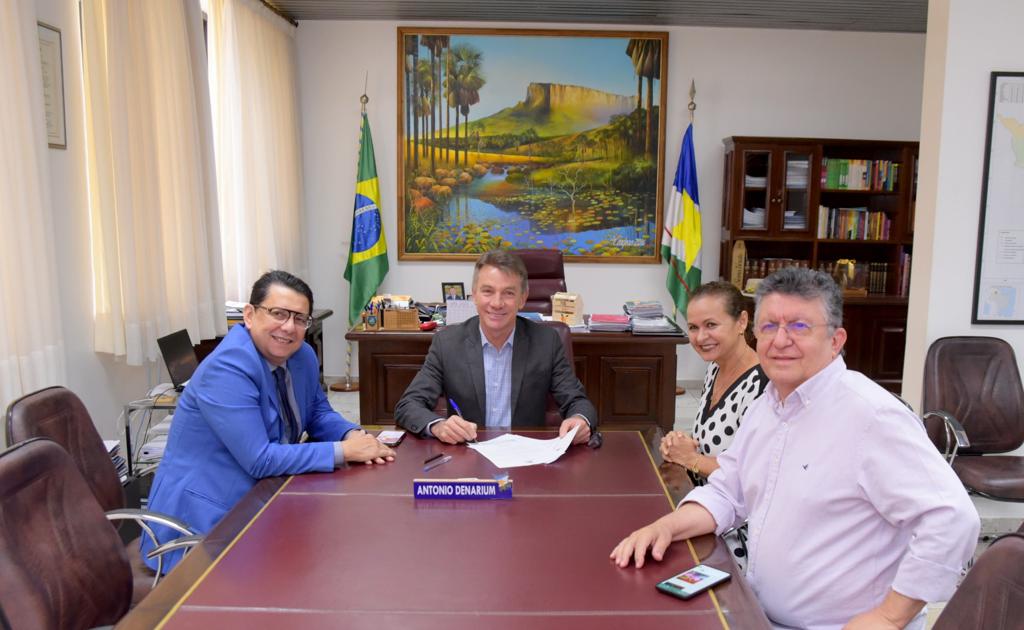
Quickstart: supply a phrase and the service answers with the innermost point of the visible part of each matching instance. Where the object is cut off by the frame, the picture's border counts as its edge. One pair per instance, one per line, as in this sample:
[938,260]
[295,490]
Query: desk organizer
[401,319]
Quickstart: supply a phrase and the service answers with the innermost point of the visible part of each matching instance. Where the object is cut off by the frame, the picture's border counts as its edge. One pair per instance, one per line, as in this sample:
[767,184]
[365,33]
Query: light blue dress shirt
[498,381]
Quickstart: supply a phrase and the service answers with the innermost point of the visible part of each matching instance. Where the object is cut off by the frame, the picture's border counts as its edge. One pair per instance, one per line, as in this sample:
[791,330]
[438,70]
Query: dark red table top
[353,549]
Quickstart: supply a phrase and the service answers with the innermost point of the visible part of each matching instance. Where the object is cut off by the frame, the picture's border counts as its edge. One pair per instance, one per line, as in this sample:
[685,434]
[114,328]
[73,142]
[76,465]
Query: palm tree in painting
[467,79]
[411,54]
[646,57]
[436,45]
[424,106]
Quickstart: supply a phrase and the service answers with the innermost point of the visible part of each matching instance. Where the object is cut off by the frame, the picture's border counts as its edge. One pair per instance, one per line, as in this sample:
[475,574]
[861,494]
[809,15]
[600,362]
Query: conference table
[354,549]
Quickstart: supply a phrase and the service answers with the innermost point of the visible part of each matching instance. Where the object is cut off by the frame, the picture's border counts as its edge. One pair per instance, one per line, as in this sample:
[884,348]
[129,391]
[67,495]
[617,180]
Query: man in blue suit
[242,415]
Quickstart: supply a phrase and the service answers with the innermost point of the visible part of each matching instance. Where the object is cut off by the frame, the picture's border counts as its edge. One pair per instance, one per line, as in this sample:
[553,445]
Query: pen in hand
[459,412]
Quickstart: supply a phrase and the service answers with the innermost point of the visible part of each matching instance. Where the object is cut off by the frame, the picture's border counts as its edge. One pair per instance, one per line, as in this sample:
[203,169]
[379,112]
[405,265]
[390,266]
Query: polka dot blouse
[716,426]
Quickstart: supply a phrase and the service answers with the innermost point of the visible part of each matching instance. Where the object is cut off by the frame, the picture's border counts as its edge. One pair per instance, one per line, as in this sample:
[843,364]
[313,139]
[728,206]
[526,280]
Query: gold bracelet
[695,469]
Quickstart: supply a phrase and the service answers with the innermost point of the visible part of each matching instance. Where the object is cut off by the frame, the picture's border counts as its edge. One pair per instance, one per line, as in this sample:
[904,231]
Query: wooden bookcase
[776,200]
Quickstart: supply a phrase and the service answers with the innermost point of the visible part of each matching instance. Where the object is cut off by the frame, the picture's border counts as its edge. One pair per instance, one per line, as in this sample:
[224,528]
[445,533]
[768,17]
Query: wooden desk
[353,549]
[631,379]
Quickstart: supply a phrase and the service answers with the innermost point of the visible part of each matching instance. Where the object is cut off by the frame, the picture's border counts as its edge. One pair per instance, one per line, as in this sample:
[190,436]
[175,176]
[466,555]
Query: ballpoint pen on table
[435,461]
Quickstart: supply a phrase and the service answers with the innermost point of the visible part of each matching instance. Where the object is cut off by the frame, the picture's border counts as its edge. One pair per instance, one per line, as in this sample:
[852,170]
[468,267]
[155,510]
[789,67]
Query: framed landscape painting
[531,139]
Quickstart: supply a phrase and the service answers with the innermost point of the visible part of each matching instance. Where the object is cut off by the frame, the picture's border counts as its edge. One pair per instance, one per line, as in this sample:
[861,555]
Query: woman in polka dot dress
[717,325]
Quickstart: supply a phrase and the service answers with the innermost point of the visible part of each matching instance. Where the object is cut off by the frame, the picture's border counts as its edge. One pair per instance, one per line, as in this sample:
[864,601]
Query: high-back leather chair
[990,597]
[976,380]
[57,414]
[545,272]
[552,415]
[61,564]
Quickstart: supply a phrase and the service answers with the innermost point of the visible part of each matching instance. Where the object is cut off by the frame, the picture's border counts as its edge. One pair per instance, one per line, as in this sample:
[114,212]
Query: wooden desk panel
[631,379]
[348,550]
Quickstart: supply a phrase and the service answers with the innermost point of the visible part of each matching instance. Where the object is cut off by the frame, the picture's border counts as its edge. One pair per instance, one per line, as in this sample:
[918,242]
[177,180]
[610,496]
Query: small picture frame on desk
[453,291]
[371,321]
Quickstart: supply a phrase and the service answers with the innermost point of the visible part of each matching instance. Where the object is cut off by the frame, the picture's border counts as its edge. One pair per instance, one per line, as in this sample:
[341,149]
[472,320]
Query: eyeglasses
[798,328]
[282,315]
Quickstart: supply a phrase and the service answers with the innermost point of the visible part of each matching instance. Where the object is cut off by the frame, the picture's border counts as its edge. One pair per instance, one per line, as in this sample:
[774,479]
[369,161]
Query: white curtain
[152,194]
[259,170]
[31,344]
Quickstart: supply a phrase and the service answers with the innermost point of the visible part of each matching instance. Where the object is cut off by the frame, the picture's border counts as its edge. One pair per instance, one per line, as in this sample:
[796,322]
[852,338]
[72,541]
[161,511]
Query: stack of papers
[643,308]
[656,326]
[120,463]
[794,220]
[750,181]
[753,218]
[511,451]
[608,323]
[796,173]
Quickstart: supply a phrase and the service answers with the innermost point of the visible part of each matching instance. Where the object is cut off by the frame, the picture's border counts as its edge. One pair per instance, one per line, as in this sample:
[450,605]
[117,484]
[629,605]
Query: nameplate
[462,489]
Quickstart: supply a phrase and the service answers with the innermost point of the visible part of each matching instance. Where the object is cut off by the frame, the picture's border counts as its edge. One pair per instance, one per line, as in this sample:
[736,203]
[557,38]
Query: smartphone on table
[692,581]
[391,438]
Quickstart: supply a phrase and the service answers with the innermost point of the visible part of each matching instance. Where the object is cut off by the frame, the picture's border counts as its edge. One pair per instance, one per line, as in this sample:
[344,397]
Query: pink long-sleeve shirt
[845,497]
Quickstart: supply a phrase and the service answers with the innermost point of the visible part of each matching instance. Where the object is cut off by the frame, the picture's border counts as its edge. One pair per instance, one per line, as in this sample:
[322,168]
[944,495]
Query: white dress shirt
[845,497]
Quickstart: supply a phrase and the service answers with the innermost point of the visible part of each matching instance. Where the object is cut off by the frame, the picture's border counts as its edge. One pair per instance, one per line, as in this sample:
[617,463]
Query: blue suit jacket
[226,434]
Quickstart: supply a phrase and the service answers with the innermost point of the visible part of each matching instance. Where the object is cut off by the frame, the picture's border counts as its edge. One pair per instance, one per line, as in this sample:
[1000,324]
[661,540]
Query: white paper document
[510,451]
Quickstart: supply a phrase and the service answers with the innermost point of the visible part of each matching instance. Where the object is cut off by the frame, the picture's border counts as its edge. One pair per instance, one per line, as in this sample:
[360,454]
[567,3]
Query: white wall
[749,82]
[104,385]
[966,42]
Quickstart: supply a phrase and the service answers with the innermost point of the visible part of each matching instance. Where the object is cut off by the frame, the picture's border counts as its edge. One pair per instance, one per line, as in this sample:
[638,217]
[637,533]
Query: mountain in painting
[554,109]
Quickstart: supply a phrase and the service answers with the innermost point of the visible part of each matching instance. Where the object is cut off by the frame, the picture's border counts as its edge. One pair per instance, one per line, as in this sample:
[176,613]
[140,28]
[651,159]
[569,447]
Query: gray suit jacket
[455,367]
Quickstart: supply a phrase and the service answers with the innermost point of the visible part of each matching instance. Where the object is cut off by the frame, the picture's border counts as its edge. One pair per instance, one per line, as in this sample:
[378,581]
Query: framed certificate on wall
[50,56]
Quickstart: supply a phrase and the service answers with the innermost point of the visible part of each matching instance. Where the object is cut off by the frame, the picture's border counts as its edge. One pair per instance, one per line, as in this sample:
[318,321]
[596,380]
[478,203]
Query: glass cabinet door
[757,168]
[796,192]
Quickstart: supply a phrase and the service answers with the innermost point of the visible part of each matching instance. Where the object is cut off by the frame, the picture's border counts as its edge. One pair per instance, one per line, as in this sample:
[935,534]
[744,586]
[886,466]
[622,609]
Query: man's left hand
[871,620]
[894,613]
[582,435]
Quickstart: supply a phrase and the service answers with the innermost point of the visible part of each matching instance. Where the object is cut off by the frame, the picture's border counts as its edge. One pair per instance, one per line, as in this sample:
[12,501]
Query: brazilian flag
[368,255]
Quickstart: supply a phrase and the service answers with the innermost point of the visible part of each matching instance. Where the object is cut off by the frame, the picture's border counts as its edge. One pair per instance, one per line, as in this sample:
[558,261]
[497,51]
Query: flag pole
[351,384]
[692,106]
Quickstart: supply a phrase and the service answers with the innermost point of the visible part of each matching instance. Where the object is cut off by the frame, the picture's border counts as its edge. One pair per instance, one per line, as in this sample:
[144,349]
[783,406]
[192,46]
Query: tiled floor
[997,517]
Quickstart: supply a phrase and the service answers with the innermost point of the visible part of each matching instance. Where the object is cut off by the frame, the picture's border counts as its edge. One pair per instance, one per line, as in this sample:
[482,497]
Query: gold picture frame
[513,138]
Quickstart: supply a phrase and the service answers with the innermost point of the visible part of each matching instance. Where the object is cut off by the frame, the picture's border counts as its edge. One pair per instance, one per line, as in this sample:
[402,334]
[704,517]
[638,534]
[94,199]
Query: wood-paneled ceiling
[899,16]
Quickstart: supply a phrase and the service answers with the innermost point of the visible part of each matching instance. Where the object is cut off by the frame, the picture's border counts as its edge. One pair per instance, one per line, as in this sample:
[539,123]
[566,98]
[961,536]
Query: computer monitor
[180,357]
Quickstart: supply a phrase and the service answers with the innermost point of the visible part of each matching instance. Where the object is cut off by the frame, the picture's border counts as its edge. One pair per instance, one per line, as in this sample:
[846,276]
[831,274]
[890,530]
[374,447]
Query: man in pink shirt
[855,520]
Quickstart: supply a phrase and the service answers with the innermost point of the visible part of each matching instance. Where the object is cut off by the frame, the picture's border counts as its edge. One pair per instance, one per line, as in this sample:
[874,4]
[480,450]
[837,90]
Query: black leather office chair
[974,380]
[61,564]
[57,414]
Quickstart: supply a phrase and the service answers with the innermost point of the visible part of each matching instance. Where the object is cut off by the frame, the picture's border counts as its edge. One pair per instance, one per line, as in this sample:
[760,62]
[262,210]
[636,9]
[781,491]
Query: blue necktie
[286,406]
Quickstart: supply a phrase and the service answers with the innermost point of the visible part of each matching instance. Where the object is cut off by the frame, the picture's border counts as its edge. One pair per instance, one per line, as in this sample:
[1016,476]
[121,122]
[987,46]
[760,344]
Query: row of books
[870,277]
[844,174]
[764,267]
[855,224]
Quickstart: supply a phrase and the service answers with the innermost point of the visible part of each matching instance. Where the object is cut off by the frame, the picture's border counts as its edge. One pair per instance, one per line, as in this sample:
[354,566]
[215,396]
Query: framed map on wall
[530,139]
[999,269]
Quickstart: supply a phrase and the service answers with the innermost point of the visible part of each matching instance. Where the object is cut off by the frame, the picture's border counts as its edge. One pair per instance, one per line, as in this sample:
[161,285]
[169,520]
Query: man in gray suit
[495,369]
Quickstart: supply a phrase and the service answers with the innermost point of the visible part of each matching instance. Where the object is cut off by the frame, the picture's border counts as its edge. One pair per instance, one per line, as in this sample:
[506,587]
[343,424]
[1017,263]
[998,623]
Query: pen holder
[371,321]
